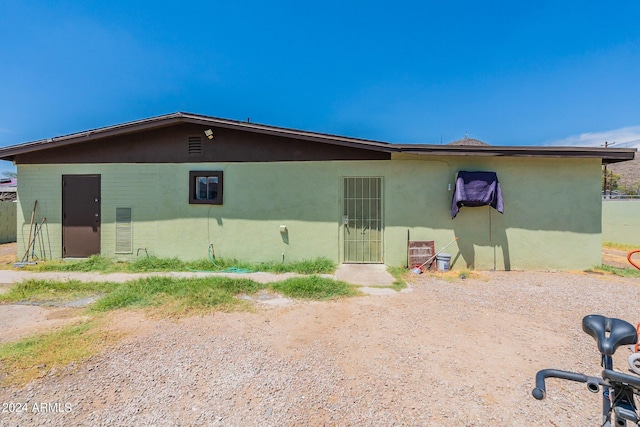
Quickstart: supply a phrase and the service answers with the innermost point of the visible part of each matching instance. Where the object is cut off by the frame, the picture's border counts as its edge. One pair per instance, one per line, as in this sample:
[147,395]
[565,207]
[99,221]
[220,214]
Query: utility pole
[610,183]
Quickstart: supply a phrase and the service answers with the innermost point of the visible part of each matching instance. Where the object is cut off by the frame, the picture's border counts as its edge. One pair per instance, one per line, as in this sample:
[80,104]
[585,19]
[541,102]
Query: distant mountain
[629,172]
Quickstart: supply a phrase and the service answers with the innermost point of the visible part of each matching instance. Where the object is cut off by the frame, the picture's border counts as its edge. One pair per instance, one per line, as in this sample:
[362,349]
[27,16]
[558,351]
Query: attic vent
[124,231]
[195,145]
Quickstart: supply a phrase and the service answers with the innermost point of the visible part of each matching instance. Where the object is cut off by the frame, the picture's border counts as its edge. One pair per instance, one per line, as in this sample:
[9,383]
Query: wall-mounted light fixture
[284,233]
[209,133]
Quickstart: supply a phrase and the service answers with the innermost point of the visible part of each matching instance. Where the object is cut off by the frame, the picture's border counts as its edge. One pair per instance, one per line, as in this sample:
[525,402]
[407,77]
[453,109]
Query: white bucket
[442,262]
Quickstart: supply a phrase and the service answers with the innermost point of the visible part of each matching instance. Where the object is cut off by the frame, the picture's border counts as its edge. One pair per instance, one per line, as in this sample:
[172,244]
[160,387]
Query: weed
[624,272]
[186,293]
[93,263]
[315,287]
[317,266]
[101,264]
[143,265]
[398,274]
[620,246]
[51,290]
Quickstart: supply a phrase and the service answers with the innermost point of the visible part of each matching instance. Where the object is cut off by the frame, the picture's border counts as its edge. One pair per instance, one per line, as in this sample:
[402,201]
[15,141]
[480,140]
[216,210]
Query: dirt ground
[24,320]
[447,351]
[617,258]
[8,253]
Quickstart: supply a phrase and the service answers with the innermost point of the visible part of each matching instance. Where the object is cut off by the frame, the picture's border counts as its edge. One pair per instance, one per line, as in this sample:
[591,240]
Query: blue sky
[505,72]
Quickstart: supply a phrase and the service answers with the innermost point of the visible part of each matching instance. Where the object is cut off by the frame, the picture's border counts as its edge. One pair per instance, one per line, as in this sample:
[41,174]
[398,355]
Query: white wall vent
[124,231]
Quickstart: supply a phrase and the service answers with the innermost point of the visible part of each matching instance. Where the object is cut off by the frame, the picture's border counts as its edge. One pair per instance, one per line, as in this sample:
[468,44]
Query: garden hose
[212,259]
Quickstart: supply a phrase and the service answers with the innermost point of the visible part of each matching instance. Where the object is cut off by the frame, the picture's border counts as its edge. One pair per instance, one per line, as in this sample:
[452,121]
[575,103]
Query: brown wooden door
[80,215]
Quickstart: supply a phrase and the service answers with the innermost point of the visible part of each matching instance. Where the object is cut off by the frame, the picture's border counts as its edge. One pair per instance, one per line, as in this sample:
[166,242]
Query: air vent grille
[195,145]
[124,231]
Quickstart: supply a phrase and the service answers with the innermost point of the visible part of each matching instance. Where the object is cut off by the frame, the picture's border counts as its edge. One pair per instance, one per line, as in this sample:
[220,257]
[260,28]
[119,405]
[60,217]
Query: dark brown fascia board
[608,155]
[8,153]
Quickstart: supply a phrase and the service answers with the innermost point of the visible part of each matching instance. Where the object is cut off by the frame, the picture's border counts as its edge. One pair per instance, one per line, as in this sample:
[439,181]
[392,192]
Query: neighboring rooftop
[8,189]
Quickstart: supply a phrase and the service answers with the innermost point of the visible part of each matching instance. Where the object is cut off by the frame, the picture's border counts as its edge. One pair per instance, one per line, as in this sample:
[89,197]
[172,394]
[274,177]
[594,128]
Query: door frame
[91,218]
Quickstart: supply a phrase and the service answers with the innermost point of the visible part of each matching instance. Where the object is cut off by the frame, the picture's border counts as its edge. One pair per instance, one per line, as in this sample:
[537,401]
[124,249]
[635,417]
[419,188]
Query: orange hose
[629,258]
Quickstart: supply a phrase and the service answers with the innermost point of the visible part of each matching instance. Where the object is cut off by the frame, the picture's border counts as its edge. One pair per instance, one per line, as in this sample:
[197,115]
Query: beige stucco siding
[552,216]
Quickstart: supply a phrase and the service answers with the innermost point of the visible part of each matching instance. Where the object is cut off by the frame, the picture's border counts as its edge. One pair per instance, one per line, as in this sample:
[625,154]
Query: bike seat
[609,333]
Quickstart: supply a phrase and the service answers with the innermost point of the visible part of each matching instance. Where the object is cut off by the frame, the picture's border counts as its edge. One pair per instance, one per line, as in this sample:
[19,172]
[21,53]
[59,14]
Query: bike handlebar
[593,383]
[614,377]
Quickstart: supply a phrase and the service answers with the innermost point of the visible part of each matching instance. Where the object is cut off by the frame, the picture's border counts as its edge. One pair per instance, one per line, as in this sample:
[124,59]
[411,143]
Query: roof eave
[293,133]
[608,155]
[9,153]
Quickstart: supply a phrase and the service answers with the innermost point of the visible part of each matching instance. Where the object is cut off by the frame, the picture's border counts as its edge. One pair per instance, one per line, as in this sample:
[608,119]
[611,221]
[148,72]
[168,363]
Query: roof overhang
[608,155]
[8,153]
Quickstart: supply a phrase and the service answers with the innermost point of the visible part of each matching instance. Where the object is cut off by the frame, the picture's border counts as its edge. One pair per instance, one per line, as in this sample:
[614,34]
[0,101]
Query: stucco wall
[621,221]
[552,216]
[7,222]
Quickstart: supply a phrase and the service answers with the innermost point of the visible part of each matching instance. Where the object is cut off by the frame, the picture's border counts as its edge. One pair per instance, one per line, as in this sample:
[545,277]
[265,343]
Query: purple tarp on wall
[476,189]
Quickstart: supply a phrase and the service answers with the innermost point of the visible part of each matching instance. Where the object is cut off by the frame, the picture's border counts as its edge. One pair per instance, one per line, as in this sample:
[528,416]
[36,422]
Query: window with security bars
[205,187]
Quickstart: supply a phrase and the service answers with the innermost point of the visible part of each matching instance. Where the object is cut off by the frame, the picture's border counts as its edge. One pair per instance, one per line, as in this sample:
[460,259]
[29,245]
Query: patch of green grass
[149,264]
[51,290]
[398,274]
[101,264]
[188,294]
[620,246]
[315,287]
[94,263]
[624,272]
[315,266]
[33,357]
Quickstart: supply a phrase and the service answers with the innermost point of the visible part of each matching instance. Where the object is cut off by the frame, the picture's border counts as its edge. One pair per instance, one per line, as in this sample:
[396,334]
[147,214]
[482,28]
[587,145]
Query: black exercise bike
[619,389]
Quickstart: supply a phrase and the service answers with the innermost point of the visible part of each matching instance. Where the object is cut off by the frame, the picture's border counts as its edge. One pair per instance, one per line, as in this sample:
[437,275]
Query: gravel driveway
[459,353]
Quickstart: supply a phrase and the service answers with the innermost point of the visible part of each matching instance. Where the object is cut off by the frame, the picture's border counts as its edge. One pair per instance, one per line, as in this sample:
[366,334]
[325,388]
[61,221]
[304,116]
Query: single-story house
[187,185]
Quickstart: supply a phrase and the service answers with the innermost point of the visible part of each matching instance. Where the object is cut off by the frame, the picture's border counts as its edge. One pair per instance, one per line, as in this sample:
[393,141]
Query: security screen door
[362,220]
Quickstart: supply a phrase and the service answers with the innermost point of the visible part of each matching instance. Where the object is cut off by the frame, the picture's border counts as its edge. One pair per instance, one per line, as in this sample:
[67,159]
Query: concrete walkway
[366,275]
